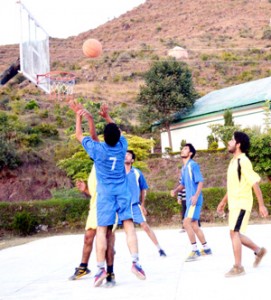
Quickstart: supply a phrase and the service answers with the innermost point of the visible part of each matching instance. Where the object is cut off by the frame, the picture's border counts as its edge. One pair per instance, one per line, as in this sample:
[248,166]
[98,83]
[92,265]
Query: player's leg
[258,251]
[139,218]
[237,247]
[201,237]
[110,279]
[145,226]
[183,213]
[192,213]
[125,215]
[101,246]
[87,249]
[237,221]
[132,243]
[106,214]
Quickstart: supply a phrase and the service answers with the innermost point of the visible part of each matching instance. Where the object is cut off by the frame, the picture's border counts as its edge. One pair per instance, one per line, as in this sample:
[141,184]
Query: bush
[8,156]
[61,214]
[267,34]
[24,223]
[32,104]
[47,130]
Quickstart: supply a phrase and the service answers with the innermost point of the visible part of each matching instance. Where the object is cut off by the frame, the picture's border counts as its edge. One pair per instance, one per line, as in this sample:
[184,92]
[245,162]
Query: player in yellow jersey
[91,225]
[241,179]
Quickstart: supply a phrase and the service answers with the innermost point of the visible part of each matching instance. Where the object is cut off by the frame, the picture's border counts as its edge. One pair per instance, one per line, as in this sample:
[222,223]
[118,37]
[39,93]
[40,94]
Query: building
[246,102]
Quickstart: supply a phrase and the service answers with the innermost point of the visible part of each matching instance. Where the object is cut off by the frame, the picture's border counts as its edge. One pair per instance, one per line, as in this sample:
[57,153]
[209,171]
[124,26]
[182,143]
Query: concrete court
[40,269]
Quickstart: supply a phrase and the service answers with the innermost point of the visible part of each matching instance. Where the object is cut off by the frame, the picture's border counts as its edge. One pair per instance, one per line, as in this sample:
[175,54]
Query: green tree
[168,90]
[228,121]
[260,151]
[223,132]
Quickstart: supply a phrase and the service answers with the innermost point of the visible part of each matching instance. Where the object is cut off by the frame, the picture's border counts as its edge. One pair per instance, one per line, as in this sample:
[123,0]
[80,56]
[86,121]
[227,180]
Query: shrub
[70,213]
[47,130]
[24,223]
[267,34]
[8,156]
[32,104]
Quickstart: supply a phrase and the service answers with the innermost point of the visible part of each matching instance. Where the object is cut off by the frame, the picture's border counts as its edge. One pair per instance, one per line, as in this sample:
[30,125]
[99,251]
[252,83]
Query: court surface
[40,269]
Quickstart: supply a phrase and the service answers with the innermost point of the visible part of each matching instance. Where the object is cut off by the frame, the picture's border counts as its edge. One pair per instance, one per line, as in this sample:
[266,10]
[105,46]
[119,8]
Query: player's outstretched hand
[104,111]
[83,112]
[75,106]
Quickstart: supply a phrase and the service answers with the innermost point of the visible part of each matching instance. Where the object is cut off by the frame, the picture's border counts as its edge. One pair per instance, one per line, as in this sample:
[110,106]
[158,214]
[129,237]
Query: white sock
[100,265]
[194,247]
[135,258]
[205,246]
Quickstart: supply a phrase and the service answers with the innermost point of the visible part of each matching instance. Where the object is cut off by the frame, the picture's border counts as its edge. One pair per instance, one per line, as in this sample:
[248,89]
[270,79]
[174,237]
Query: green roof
[233,97]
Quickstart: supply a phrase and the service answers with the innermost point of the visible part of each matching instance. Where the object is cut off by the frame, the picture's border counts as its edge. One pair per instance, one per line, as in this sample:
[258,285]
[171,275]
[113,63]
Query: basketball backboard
[34,49]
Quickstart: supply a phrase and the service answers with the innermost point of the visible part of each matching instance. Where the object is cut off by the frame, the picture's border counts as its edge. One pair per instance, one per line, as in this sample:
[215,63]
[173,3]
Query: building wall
[196,131]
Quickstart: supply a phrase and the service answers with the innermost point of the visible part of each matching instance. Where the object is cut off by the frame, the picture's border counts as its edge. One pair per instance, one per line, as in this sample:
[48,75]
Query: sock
[205,246]
[194,247]
[158,247]
[83,265]
[135,258]
[110,269]
[100,265]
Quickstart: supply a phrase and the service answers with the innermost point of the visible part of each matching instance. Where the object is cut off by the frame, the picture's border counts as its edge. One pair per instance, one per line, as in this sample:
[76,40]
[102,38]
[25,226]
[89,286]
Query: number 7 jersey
[109,162]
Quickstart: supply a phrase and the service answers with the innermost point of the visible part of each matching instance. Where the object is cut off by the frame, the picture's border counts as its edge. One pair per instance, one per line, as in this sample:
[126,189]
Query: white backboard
[34,49]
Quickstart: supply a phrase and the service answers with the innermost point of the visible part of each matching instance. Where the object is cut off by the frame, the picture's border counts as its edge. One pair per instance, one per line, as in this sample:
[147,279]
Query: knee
[89,237]
[186,222]
[145,226]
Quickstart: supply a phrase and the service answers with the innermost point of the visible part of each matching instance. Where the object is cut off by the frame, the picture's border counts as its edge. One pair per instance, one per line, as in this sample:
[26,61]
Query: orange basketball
[92,48]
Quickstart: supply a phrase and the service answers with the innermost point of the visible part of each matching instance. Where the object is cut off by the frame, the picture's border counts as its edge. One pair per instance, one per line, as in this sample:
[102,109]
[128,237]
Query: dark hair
[242,139]
[111,134]
[132,153]
[191,149]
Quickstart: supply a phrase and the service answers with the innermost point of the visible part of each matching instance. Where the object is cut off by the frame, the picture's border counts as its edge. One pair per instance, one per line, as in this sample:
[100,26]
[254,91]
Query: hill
[228,42]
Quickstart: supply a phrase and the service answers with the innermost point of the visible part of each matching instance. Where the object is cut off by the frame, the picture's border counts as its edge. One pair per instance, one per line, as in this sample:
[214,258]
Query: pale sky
[61,18]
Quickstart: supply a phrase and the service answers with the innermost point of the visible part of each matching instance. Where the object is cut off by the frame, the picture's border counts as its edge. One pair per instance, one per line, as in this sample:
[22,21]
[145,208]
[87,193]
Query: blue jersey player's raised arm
[113,195]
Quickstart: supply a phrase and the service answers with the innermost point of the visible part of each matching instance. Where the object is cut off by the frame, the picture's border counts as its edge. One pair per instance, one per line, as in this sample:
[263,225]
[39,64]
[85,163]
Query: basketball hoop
[61,84]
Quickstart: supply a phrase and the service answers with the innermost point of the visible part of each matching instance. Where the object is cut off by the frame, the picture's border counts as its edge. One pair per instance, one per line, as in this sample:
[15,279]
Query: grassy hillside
[228,42]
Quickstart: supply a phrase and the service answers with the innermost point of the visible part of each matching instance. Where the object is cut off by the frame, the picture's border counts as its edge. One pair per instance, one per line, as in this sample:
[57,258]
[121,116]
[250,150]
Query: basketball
[92,48]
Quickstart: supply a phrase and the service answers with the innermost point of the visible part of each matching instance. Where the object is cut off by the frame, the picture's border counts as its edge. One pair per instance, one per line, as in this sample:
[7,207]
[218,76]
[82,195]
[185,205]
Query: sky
[60,18]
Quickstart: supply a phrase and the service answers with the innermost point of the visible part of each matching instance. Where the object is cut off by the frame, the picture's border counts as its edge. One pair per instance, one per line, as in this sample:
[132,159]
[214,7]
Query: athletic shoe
[162,253]
[259,257]
[235,271]
[110,280]
[206,252]
[79,272]
[194,255]
[99,277]
[138,271]
[182,230]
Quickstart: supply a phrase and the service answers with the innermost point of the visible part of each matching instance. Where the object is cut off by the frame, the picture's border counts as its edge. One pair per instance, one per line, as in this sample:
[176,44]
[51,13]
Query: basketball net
[61,85]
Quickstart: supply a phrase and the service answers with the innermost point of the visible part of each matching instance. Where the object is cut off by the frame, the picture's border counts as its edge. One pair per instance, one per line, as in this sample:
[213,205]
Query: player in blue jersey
[192,181]
[113,196]
[138,186]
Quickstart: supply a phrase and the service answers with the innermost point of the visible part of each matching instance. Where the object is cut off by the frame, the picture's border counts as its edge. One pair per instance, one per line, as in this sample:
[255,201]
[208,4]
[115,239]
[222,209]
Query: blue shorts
[193,212]
[138,216]
[110,205]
